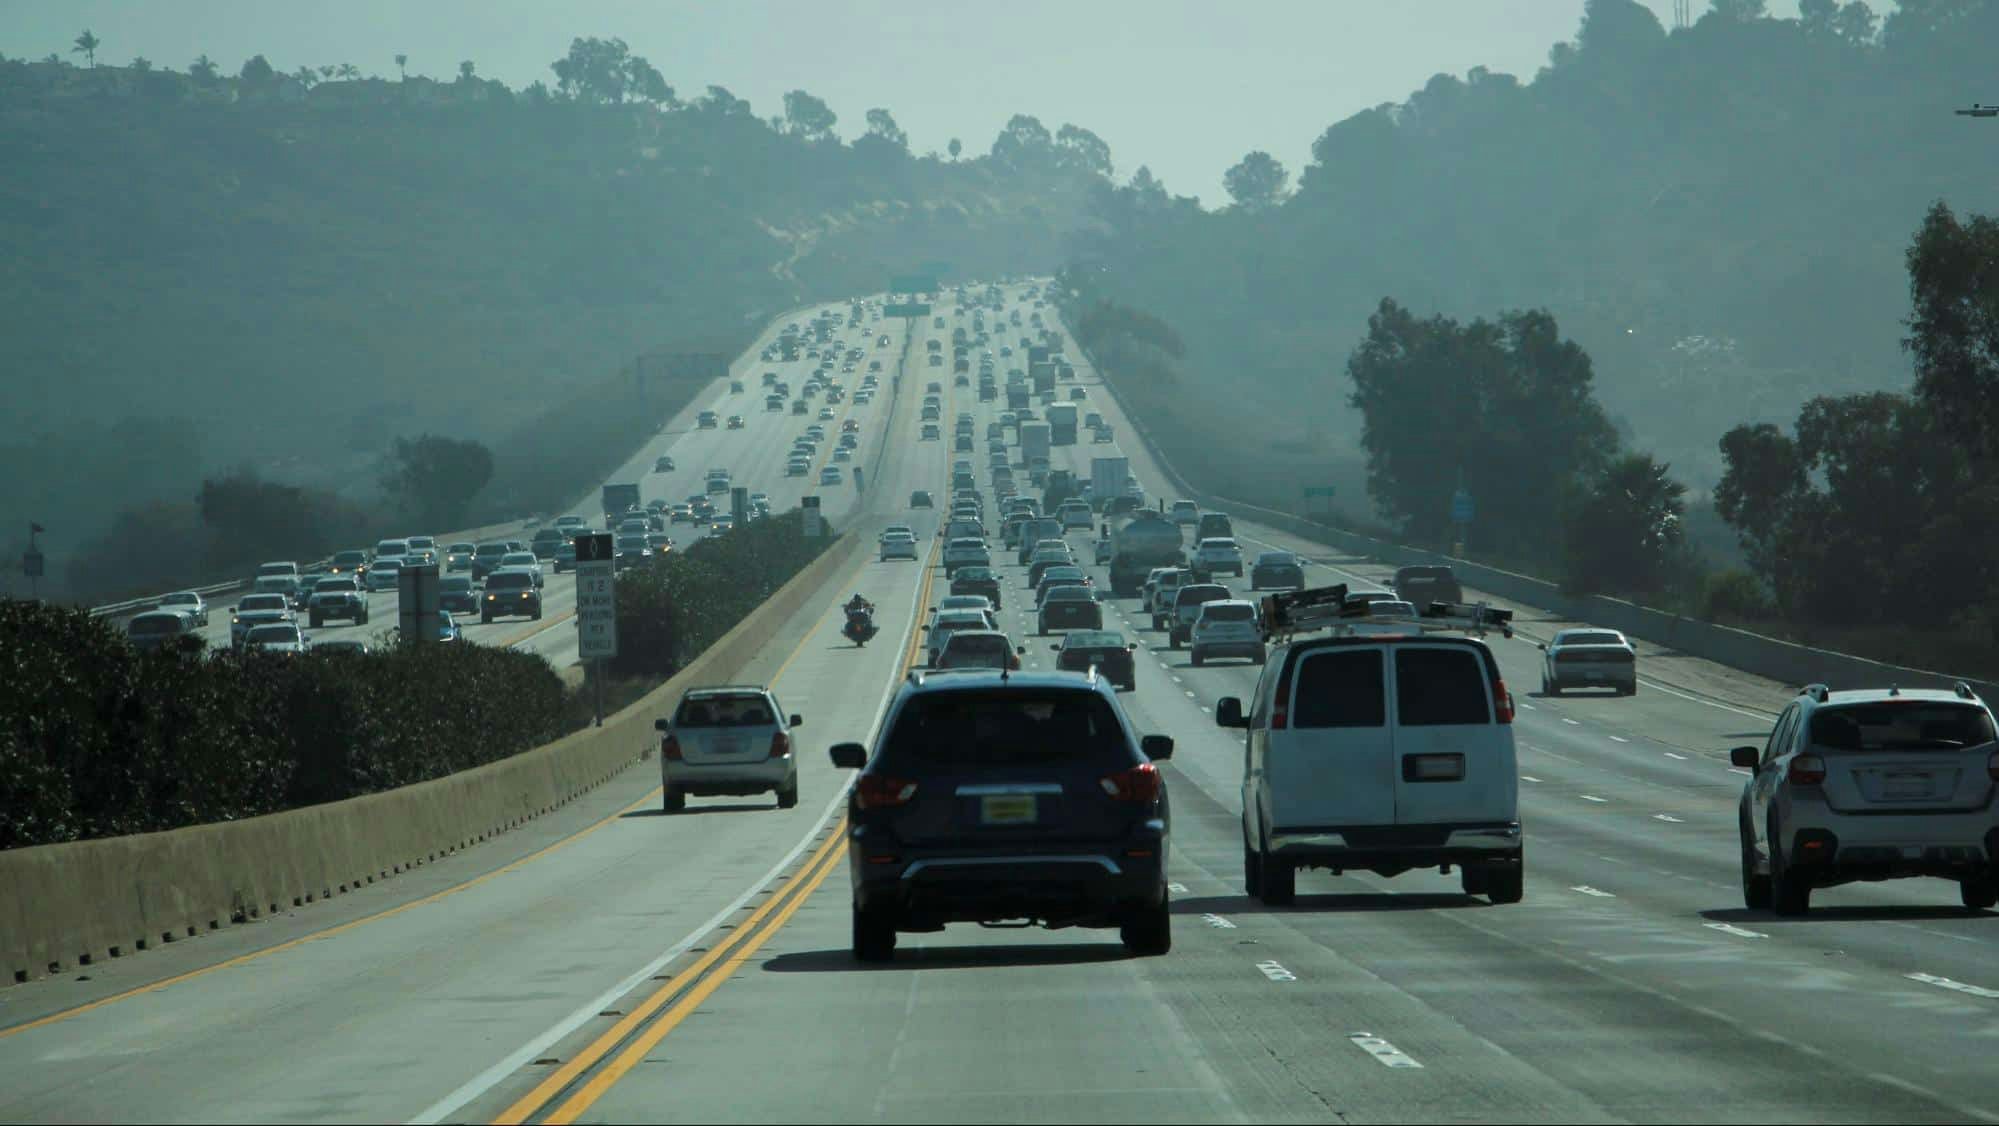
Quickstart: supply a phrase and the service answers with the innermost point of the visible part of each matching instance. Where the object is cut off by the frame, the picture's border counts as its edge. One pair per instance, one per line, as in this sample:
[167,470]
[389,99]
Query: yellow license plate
[1007,809]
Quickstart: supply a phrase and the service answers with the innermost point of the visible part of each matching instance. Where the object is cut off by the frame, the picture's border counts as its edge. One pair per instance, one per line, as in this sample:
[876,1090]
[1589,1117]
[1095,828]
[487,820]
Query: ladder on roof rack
[1289,613]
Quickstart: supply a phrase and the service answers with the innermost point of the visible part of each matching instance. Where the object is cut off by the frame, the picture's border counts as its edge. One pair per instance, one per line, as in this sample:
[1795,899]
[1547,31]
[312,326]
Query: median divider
[72,904]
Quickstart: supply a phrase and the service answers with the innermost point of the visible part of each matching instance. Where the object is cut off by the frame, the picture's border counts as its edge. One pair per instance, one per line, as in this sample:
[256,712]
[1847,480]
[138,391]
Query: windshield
[276,632]
[157,625]
[515,580]
[263,602]
[1585,637]
[1230,612]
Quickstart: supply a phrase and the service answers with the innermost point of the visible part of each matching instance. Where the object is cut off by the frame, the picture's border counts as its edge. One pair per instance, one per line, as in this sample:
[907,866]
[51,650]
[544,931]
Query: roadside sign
[739,504]
[814,525]
[1461,507]
[908,309]
[417,603]
[596,597]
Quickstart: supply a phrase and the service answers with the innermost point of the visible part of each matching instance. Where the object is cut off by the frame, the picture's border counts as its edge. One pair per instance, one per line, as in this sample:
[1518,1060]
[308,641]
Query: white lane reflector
[1588,890]
[1619,739]
[1739,770]
[1667,817]
[1218,922]
[1528,778]
[1177,889]
[1527,705]
[1670,754]
[1592,797]
[1571,722]
[1731,928]
[1190,693]
[1205,707]
[1946,983]
[1388,1055]
[1276,972]
[1177,680]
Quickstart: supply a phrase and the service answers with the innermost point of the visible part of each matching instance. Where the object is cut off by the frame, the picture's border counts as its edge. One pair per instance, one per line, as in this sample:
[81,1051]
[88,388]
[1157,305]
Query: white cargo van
[1382,749]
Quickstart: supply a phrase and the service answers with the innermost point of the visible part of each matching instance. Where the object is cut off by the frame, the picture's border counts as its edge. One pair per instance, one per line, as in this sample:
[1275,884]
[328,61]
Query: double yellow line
[577,1085]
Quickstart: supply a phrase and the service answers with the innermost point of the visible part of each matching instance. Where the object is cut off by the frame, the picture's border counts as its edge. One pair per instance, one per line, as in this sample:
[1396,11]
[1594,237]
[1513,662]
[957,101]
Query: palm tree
[306,77]
[465,71]
[327,72]
[956,147]
[348,72]
[87,45]
[203,69]
[402,65]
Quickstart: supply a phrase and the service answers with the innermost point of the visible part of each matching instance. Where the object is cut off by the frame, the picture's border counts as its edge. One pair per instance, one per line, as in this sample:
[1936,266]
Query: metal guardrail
[139,605]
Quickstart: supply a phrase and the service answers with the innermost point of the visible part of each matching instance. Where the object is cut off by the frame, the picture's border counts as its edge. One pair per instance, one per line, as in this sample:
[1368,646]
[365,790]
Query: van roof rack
[1817,692]
[1288,613]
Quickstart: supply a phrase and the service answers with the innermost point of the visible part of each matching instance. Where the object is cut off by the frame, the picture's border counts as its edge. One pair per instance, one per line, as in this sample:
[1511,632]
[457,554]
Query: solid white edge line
[485,1081]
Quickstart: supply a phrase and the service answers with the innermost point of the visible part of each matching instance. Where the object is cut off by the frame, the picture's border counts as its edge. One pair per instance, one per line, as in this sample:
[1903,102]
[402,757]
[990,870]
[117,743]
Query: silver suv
[1871,784]
[730,739]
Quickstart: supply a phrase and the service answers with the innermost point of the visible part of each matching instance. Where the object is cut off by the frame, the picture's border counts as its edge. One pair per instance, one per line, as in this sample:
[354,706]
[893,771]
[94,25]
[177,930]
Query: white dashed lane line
[1218,922]
[1668,818]
[1619,739]
[1593,797]
[1957,986]
[1385,1053]
[1571,722]
[1275,971]
[1731,928]
[1670,754]
[1528,778]
[1597,892]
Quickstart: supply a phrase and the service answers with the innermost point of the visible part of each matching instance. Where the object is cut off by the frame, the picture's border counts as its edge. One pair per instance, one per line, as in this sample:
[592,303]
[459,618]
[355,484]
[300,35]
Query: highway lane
[1628,985]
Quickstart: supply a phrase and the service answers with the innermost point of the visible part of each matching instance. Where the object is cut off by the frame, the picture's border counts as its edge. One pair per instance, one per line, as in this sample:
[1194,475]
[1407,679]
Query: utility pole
[32,562]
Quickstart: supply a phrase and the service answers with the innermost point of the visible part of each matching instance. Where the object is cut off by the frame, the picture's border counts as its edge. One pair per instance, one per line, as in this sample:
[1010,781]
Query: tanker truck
[1145,541]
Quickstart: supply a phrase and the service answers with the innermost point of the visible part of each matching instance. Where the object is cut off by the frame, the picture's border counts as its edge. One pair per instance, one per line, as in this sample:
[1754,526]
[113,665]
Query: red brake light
[1502,701]
[1140,784]
[875,791]
[780,745]
[1806,770]
[1280,707]
[1992,766]
[670,750]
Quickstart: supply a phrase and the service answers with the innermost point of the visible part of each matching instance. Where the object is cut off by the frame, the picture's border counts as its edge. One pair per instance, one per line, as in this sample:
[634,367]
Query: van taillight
[1141,783]
[780,745]
[1502,701]
[875,791]
[670,750]
[1280,706]
[1806,770]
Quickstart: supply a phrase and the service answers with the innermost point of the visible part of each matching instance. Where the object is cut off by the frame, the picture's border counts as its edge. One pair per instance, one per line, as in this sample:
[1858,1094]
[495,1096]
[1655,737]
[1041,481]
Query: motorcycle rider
[859,605]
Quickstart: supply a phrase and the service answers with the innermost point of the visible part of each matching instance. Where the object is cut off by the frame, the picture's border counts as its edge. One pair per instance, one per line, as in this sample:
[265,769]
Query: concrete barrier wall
[71,904]
[1740,649]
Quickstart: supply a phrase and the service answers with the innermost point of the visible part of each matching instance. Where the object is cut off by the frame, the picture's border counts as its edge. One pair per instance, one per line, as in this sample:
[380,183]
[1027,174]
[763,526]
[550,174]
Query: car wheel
[674,800]
[1252,872]
[1280,881]
[1174,638]
[1790,895]
[317,621]
[1551,688]
[1149,931]
[874,935]
[485,619]
[537,614]
[1978,894]
[787,796]
[1630,689]
[1506,883]
[1258,658]
[1197,658]
[1473,878]
[1755,885]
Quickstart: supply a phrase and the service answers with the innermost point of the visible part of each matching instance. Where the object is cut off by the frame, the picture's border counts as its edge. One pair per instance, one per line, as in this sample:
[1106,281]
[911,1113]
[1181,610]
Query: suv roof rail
[1817,692]
[1963,691]
[1288,613]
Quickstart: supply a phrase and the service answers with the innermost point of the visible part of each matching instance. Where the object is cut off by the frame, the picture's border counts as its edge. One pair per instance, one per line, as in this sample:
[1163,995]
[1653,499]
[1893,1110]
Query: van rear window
[1438,687]
[1340,689]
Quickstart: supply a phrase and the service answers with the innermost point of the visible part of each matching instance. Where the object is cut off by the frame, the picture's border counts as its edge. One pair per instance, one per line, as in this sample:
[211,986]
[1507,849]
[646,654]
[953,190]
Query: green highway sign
[912,309]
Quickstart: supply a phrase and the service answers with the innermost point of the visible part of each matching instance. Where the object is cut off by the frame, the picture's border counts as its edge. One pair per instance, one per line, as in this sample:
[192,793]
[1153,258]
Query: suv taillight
[1992,766]
[1140,784]
[1502,701]
[875,791]
[670,749]
[1806,770]
[780,745]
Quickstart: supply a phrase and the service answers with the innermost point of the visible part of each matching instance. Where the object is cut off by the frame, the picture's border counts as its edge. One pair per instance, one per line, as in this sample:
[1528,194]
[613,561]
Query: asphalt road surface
[612,963]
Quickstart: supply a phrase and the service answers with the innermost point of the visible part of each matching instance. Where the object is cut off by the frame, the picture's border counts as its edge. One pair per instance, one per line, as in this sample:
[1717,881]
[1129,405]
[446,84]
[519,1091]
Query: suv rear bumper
[1397,847]
[1951,846]
[1095,885]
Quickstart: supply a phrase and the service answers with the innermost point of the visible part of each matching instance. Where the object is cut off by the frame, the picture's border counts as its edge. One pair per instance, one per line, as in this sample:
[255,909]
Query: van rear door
[1454,762]
[1332,764]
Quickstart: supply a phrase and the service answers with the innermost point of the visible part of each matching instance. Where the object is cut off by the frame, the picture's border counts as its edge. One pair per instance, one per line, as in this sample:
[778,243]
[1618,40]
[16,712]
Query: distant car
[343,646]
[898,546]
[456,596]
[1068,606]
[187,602]
[1276,570]
[735,422]
[340,596]
[484,559]
[458,557]
[1423,585]
[939,631]
[979,649]
[1103,435]
[155,628]
[353,561]
[511,593]
[275,637]
[1184,512]
[977,580]
[830,475]
[545,542]
[1106,649]
[1215,555]
[1589,658]
[1226,627]
[662,464]
[386,574]
[565,556]
[965,551]
[798,467]
[524,561]
[1187,603]
[707,420]
[727,741]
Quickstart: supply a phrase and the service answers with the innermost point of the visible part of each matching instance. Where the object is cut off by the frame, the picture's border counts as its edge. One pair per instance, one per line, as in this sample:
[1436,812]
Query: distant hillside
[199,272]
[1717,214]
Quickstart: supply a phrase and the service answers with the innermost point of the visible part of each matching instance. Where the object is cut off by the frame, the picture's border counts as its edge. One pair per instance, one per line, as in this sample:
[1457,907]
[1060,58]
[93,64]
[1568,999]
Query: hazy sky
[1186,86]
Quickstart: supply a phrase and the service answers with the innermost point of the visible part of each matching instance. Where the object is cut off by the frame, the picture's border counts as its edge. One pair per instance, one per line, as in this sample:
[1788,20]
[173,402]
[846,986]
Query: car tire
[1551,688]
[673,800]
[1252,872]
[1755,885]
[317,621]
[1790,896]
[1280,881]
[1474,878]
[1196,658]
[1978,894]
[874,935]
[787,796]
[1174,639]
[1506,883]
[485,619]
[537,614]
[1629,689]
[1148,933]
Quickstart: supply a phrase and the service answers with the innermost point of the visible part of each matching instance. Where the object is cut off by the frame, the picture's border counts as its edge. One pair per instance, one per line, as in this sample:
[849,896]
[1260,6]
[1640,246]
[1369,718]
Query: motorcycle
[860,628]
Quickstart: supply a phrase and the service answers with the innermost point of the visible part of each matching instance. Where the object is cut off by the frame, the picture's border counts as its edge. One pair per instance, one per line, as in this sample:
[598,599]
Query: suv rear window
[1005,727]
[748,710]
[1901,726]
[1229,613]
[1439,687]
[1340,689]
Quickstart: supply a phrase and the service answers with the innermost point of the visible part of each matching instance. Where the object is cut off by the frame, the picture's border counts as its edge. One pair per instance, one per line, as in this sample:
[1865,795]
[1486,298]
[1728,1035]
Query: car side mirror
[1132,646]
[1228,713]
[849,756]
[797,720]
[1158,748]
[1744,757]
[1542,646]
[660,724]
